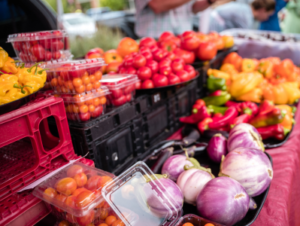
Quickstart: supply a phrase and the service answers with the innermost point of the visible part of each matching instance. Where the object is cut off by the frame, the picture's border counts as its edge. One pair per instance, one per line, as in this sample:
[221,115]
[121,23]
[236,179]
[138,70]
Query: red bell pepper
[229,115]
[197,106]
[275,131]
[233,104]
[203,125]
[250,105]
[266,107]
[201,114]
[274,117]
[244,118]
[216,93]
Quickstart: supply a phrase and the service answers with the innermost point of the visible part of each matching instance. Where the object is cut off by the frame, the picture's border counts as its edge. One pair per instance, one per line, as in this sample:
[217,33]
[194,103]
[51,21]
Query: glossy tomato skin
[84,116]
[138,85]
[187,34]
[147,42]
[160,81]
[207,51]
[39,52]
[97,112]
[166,70]
[191,70]
[147,84]
[191,43]
[128,97]
[159,54]
[177,66]
[139,61]
[116,93]
[165,63]
[129,89]
[131,70]
[173,79]
[183,75]
[119,101]
[187,56]
[144,73]
[147,55]
[153,65]
[168,45]
[166,36]
[171,56]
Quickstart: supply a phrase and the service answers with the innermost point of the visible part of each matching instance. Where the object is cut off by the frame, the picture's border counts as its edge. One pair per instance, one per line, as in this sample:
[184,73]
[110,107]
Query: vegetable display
[217,147]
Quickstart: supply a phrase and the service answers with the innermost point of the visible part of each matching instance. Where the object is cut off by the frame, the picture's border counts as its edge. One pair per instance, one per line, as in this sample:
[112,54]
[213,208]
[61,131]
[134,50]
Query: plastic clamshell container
[83,107]
[41,46]
[76,76]
[132,191]
[83,208]
[122,88]
[195,220]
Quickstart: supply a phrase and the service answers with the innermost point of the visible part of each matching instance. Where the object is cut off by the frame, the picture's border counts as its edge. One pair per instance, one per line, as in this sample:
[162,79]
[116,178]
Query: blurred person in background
[291,22]
[240,15]
[153,17]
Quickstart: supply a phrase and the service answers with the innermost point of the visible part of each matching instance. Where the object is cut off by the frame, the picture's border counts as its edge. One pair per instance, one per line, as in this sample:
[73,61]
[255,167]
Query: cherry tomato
[57,45]
[147,84]
[39,52]
[97,112]
[171,56]
[188,224]
[80,89]
[75,108]
[209,224]
[219,43]
[165,70]
[64,223]
[86,80]
[48,55]
[191,70]
[131,70]
[110,220]
[207,51]
[89,87]
[128,97]
[165,36]
[183,75]
[53,82]
[96,101]
[139,61]
[165,63]
[96,85]
[144,73]
[153,65]
[190,43]
[138,85]
[92,78]
[56,55]
[98,75]
[177,66]
[69,85]
[83,109]
[119,101]
[160,81]
[147,55]
[91,108]
[187,56]
[129,89]
[102,100]
[77,82]
[60,81]
[159,54]
[118,223]
[173,79]
[84,116]
[147,42]
[168,45]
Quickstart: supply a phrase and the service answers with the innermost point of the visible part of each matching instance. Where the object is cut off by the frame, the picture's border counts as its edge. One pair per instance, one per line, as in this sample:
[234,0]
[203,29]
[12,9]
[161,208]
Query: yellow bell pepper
[280,95]
[288,109]
[10,66]
[218,74]
[266,68]
[228,68]
[292,93]
[3,57]
[248,65]
[7,83]
[254,95]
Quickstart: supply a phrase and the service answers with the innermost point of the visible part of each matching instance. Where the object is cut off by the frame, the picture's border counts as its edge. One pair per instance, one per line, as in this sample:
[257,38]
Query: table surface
[282,206]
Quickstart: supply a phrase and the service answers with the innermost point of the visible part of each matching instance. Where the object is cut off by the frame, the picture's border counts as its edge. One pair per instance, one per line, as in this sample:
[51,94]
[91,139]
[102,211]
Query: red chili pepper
[251,105]
[229,115]
[233,104]
[224,128]
[274,117]
[203,125]
[200,102]
[201,114]
[275,131]
[188,120]
[216,93]
[217,115]
[244,118]
[197,106]
[266,107]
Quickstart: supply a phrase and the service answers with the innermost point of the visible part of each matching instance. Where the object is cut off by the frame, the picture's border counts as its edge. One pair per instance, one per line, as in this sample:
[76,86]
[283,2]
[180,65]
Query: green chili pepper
[214,84]
[216,109]
[217,100]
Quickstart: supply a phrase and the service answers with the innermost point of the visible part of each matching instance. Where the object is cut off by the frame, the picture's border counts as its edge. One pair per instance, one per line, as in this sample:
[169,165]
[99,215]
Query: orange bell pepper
[228,41]
[228,68]
[248,65]
[277,80]
[274,60]
[285,68]
[266,68]
[234,59]
[280,95]
[254,95]
[268,93]
[288,122]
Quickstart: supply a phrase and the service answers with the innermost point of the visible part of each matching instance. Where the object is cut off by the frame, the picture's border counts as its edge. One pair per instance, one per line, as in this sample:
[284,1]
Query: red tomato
[177,66]
[116,93]
[56,55]
[148,42]
[119,101]
[122,70]
[128,62]
[165,36]
[171,56]
[144,49]
[147,55]
[168,45]
[153,65]
[139,61]
[39,52]
[48,55]
[84,116]
[131,70]
[179,60]
[138,85]
[207,51]
[166,70]
[173,79]
[144,73]
[190,43]
[57,45]
[191,70]
[159,54]
[188,34]
[97,112]
[165,63]
[187,56]
[154,76]
[147,84]
[177,41]
[128,97]
[160,81]
[129,89]
[183,75]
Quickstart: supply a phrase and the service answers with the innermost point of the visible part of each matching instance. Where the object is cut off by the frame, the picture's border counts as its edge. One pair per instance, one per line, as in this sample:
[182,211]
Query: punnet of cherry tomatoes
[85,106]
[74,195]
[194,220]
[76,76]
[41,46]
[122,88]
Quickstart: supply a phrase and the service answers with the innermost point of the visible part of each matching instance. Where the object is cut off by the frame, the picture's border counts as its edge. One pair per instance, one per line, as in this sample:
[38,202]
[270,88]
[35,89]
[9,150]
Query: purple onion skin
[174,166]
[217,146]
[250,167]
[191,182]
[173,193]
[223,200]
[244,135]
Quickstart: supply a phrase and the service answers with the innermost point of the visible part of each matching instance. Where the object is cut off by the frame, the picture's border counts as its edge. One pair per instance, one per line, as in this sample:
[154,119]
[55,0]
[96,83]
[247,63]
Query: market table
[283,202]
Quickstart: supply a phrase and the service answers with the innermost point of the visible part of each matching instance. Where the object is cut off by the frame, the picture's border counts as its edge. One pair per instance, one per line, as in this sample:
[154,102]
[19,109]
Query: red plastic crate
[28,150]
[24,209]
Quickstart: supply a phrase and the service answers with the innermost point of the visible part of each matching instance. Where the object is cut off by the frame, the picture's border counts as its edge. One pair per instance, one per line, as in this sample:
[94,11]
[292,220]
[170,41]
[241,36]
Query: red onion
[244,135]
[191,183]
[223,200]
[217,146]
[251,168]
[174,165]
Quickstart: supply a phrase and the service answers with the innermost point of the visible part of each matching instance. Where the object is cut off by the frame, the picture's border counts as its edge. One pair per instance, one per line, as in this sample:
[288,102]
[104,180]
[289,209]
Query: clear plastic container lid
[117,81]
[78,98]
[40,35]
[137,190]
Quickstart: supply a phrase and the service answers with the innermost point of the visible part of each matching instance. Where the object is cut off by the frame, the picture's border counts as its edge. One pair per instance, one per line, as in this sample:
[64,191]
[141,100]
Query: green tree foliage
[114,4]
[68,8]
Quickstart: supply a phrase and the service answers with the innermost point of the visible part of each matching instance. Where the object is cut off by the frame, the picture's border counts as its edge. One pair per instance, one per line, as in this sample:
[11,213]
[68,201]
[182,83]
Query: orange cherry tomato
[102,100]
[188,224]
[54,82]
[110,220]
[89,87]
[86,80]
[58,89]
[96,102]
[103,213]
[118,223]
[96,85]
[91,108]
[69,85]
[64,89]
[80,89]
[209,224]
[60,81]
[89,98]
[64,223]
[69,108]
[102,224]
[83,109]
[75,108]
[98,75]
[77,82]
[127,46]
[92,78]
[85,74]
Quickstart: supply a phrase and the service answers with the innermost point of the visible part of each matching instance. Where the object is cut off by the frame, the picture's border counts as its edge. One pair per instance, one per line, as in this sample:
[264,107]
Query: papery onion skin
[251,168]
[172,191]
[191,183]
[174,166]
[217,146]
[244,135]
[223,200]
